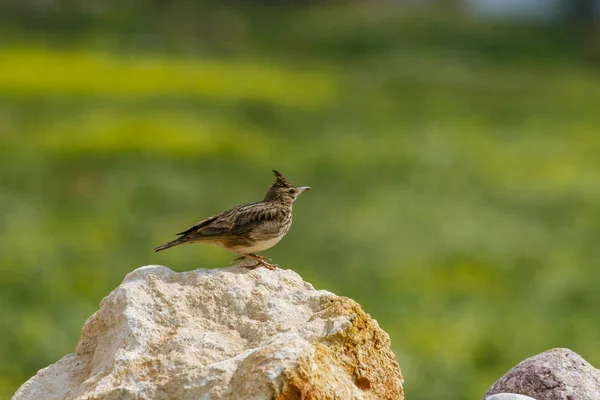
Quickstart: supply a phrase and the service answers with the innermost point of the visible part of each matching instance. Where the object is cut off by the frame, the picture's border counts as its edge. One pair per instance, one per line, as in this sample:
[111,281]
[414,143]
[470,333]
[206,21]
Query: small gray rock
[509,396]
[556,374]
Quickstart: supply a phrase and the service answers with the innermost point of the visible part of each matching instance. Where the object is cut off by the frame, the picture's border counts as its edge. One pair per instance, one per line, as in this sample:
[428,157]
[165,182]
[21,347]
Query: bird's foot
[254,257]
[260,261]
[267,265]
[270,266]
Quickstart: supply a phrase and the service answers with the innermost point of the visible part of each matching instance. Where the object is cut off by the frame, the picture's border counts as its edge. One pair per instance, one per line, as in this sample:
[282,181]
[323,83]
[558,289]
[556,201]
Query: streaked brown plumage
[249,228]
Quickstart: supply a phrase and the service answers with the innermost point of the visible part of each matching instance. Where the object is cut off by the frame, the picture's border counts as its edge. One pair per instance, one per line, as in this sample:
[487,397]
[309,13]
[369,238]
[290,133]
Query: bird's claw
[254,257]
[271,267]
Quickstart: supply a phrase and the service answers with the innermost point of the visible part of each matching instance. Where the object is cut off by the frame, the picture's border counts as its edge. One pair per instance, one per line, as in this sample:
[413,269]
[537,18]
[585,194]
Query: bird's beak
[304,188]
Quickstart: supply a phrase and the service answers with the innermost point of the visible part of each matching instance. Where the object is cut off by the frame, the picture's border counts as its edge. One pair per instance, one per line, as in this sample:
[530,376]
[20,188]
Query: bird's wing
[199,225]
[255,216]
[235,222]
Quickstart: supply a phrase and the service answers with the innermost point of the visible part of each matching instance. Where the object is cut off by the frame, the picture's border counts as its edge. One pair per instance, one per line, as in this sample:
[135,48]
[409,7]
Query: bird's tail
[172,243]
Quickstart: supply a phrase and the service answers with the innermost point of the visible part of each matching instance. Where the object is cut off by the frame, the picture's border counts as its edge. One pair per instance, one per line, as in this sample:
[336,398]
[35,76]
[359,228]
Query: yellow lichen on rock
[358,356]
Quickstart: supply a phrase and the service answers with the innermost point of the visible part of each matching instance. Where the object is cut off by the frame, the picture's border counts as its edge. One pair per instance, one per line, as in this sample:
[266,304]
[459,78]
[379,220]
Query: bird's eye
[292,191]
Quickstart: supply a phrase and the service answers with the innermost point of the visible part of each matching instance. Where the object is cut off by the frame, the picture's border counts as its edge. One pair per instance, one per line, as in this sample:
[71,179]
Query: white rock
[228,333]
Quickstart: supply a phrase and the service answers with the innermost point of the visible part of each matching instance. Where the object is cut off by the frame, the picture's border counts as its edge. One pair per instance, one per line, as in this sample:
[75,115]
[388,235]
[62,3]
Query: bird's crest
[281,180]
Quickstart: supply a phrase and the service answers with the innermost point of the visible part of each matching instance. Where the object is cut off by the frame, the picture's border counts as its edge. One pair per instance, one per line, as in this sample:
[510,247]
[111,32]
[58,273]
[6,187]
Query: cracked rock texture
[556,374]
[228,333]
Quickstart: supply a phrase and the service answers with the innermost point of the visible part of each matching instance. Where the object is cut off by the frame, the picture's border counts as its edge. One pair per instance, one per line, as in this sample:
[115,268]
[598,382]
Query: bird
[249,228]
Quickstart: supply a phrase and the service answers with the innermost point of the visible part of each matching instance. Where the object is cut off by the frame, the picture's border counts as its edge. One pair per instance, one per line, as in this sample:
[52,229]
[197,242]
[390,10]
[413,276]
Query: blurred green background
[453,155]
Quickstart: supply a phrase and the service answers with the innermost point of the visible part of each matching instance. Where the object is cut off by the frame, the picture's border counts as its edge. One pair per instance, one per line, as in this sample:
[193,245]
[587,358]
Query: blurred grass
[454,166]
[39,71]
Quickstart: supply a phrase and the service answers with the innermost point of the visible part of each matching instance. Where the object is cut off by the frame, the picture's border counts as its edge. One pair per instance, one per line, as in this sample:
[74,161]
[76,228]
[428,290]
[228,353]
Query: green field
[454,164]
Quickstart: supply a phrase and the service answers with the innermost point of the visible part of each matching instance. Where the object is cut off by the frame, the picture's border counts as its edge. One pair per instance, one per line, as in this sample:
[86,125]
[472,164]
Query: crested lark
[249,228]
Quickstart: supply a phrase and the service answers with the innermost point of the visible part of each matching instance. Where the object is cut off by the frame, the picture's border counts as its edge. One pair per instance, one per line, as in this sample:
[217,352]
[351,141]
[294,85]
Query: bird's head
[283,191]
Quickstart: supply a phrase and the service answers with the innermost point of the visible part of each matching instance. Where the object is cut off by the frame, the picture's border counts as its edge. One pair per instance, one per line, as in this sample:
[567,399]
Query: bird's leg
[242,258]
[260,260]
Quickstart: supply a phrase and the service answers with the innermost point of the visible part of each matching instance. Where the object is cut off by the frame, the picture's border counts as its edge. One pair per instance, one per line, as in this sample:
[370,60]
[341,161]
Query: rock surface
[556,374]
[228,333]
